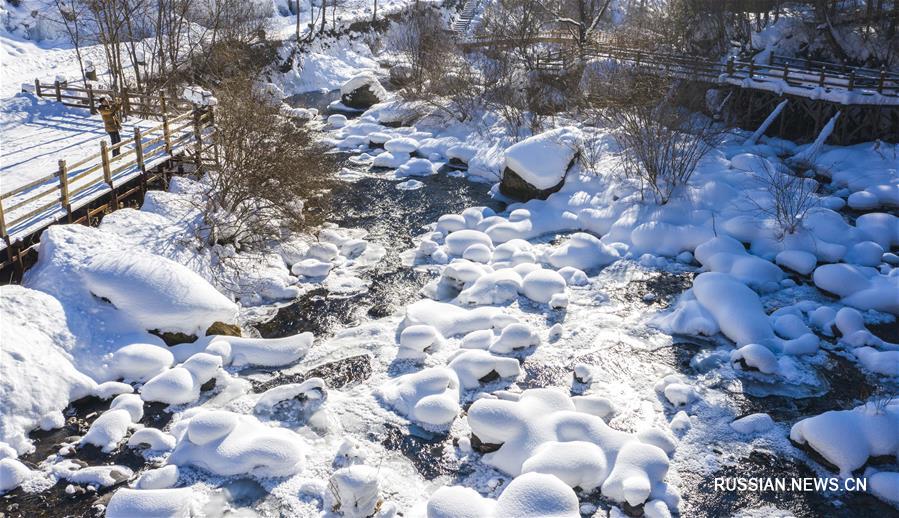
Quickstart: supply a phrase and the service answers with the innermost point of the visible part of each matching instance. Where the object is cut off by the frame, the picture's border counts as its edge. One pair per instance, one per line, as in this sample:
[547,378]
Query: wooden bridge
[868,99]
[82,189]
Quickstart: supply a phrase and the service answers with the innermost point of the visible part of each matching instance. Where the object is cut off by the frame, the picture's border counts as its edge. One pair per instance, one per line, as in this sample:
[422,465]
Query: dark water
[317,100]
[392,217]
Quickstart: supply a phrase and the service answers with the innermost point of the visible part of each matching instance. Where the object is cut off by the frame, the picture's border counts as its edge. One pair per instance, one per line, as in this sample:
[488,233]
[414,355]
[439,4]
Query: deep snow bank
[36,341]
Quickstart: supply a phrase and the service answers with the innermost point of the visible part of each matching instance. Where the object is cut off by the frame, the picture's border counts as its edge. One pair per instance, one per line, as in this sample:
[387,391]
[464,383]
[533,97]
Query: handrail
[99,168]
[840,77]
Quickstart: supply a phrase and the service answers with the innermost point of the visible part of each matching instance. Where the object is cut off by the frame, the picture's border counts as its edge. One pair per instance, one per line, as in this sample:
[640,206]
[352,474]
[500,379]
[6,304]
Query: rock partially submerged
[362,91]
[536,167]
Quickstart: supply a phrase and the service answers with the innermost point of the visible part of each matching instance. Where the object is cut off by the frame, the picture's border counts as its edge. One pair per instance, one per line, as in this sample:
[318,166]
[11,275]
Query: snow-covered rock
[860,287]
[541,285]
[355,491]
[416,340]
[756,356]
[532,495]
[152,438]
[390,160]
[36,342]
[847,438]
[157,293]
[536,167]
[515,337]
[229,444]
[753,423]
[362,91]
[159,478]
[473,365]
[12,474]
[429,397]
[140,362]
[128,503]
[584,252]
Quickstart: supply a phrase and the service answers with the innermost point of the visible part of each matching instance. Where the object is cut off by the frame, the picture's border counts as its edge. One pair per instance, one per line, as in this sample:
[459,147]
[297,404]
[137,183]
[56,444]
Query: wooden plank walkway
[815,80]
[66,195]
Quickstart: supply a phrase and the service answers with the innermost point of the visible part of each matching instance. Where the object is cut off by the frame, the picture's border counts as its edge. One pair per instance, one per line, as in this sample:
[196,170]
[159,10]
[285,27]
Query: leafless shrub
[271,174]
[424,43]
[789,196]
[661,144]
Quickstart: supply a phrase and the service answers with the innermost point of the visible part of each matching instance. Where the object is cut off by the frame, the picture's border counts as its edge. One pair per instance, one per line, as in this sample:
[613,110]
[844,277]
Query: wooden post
[58,92]
[139,152]
[751,67]
[851,79]
[37,88]
[64,187]
[162,107]
[730,66]
[786,71]
[90,98]
[167,137]
[198,138]
[104,159]
[3,232]
[821,78]
[883,78]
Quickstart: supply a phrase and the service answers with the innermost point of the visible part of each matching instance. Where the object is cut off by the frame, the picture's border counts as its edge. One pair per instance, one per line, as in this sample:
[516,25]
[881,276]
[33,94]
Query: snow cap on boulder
[536,166]
[362,91]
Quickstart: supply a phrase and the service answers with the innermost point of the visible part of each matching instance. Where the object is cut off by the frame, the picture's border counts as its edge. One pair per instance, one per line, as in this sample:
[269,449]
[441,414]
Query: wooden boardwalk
[868,99]
[84,188]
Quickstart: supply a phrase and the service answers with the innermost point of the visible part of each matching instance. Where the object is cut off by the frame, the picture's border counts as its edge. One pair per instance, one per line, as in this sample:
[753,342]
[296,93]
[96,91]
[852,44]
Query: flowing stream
[393,218]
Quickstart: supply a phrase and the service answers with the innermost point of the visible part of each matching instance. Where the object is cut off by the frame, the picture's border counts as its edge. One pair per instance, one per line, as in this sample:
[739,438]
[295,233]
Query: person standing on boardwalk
[111,121]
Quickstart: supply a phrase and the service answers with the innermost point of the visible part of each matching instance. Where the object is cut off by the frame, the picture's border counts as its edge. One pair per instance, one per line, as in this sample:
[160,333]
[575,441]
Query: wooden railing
[794,73]
[133,103]
[43,201]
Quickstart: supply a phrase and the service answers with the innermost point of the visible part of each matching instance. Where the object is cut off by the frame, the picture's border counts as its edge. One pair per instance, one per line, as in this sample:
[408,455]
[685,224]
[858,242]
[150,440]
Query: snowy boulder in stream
[12,474]
[860,287]
[474,366]
[430,397]
[536,167]
[847,438]
[229,444]
[156,292]
[584,252]
[541,285]
[128,503]
[362,91]
[532,434]
[140,362]
[36,341]
[532,495]
[355,491]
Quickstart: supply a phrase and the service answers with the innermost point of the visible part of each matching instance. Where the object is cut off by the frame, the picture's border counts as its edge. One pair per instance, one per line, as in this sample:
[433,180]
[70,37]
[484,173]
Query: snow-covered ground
[586,354]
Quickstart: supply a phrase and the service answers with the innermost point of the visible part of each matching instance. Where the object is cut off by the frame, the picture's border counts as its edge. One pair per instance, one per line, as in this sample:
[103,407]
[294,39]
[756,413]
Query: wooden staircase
[462,25]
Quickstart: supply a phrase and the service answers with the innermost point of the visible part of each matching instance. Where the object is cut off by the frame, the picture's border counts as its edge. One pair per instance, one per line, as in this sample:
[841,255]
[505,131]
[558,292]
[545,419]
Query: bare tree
[426,46]
[661,144]
[71,13]
[788,196]
[580,18]
[271,171]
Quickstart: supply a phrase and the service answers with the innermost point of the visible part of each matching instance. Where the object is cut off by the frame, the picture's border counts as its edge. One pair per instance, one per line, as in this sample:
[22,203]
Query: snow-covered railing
[806,79]
[44,201]
[133,103]
[883,89]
